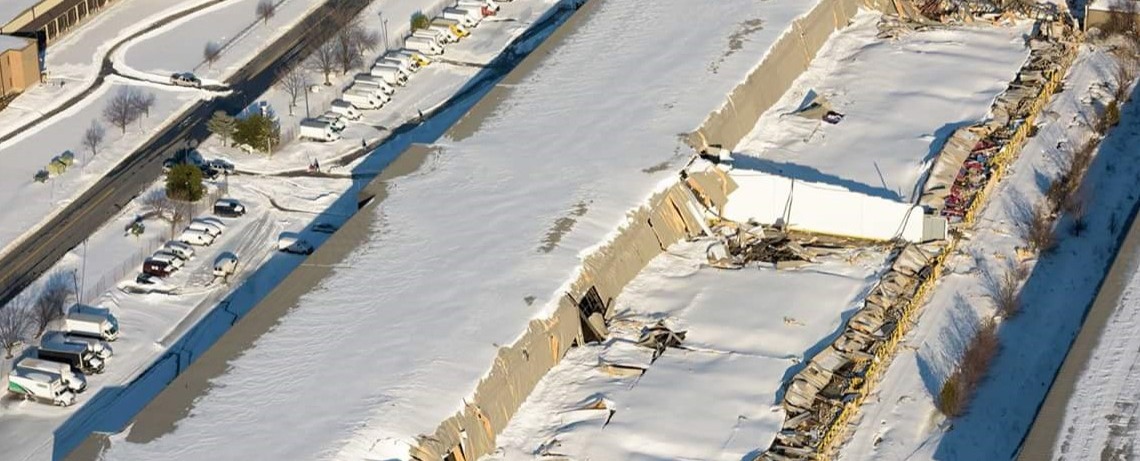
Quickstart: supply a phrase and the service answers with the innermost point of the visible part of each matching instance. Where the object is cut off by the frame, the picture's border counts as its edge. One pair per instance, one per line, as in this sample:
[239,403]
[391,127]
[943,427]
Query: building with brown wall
[19,64]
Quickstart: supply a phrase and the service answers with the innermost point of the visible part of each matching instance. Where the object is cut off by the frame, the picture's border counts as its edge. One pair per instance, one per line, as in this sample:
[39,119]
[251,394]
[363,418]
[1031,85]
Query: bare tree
[211,52]
[158,203]
[122,109]
[143,102]
[51,301]
[93,137]
[265,10]
[1003,289]
[14,323]
[368,40]
[324,59]
[180,212]
[352,41]
[293,82]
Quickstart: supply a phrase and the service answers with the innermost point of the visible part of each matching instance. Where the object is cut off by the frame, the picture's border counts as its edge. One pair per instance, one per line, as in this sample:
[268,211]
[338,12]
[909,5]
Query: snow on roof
[716,399]
[1113,5]
[12,43]
[9,9]
[890,132]
[468,250]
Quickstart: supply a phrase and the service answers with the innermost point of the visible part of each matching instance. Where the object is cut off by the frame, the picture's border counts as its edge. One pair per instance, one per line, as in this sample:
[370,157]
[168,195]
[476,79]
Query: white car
[186,79]
[294,245]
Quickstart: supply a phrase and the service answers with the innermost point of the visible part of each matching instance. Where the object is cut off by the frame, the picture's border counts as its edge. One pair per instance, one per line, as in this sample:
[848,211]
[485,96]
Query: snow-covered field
[576,139]
[901,420]
[717,397]
[891,132]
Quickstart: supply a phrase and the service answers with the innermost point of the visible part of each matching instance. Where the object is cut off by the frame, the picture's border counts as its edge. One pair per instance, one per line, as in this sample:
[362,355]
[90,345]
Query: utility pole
[82,275]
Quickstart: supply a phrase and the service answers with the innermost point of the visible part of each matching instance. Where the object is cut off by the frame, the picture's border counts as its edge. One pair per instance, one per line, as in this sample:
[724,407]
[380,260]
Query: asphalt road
[82,217]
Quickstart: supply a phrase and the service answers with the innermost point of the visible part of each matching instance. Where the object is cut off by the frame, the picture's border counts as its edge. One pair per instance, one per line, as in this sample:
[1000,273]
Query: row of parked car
[375,89]
[54,372]
[200,232]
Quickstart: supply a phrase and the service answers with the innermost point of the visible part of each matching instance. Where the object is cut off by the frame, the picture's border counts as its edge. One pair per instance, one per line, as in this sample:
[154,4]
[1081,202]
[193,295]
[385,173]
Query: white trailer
[105,327]
[405,62]
[318,130]
[389,74]
[95,346]
[74,381]
[371,80]
[40,386]
[423,45]
[466,18]
[440,34]
[362,100]
[345,109]
[374,90]
[452,25]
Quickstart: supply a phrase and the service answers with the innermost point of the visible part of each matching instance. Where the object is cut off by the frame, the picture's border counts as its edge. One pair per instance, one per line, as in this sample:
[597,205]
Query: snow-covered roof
[12,43]
[715,399]
[889,132]
[479,241]
[10,9]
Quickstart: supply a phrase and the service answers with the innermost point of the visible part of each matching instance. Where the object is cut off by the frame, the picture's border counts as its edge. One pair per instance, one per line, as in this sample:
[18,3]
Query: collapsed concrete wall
[667,218]
[786,60]
[821,208]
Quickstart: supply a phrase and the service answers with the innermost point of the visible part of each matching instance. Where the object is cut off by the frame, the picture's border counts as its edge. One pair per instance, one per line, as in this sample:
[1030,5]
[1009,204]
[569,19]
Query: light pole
[306,97]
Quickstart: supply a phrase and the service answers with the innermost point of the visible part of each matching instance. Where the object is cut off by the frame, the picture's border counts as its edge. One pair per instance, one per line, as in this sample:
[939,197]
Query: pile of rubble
[973,154]
[738,245]
[821,396]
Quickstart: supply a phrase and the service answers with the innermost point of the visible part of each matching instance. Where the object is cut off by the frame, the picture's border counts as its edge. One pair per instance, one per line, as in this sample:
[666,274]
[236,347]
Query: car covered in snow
[185,79]
[290,243]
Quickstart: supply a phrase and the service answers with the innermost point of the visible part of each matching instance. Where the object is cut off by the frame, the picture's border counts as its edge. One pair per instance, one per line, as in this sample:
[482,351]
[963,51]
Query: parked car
[157,267]
[225,265]
[186,79]
[221,166]
[203,226]
[172,259]
[324,227]
[229,208]
[196,238]
[293,244]
[146,279]
[181,249]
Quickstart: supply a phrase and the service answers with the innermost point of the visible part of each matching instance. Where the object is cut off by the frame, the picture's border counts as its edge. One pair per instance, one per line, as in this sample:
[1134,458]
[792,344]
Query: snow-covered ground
[426,89]
[151,322]
[233,25]
[901,420]
[73,62]
[717,397]
[576,139]
[890,132]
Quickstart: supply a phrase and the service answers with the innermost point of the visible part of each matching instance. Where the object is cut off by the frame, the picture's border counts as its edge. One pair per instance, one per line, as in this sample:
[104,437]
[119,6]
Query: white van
[202,226]
[196,238]
[391,75]
[345,109]
[423,45]
[372,80]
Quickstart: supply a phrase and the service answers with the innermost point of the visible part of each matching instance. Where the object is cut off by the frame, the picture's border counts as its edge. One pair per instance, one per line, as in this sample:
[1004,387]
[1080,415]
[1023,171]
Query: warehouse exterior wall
[668,217]
[52,19]
[19,69]
[786,60]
